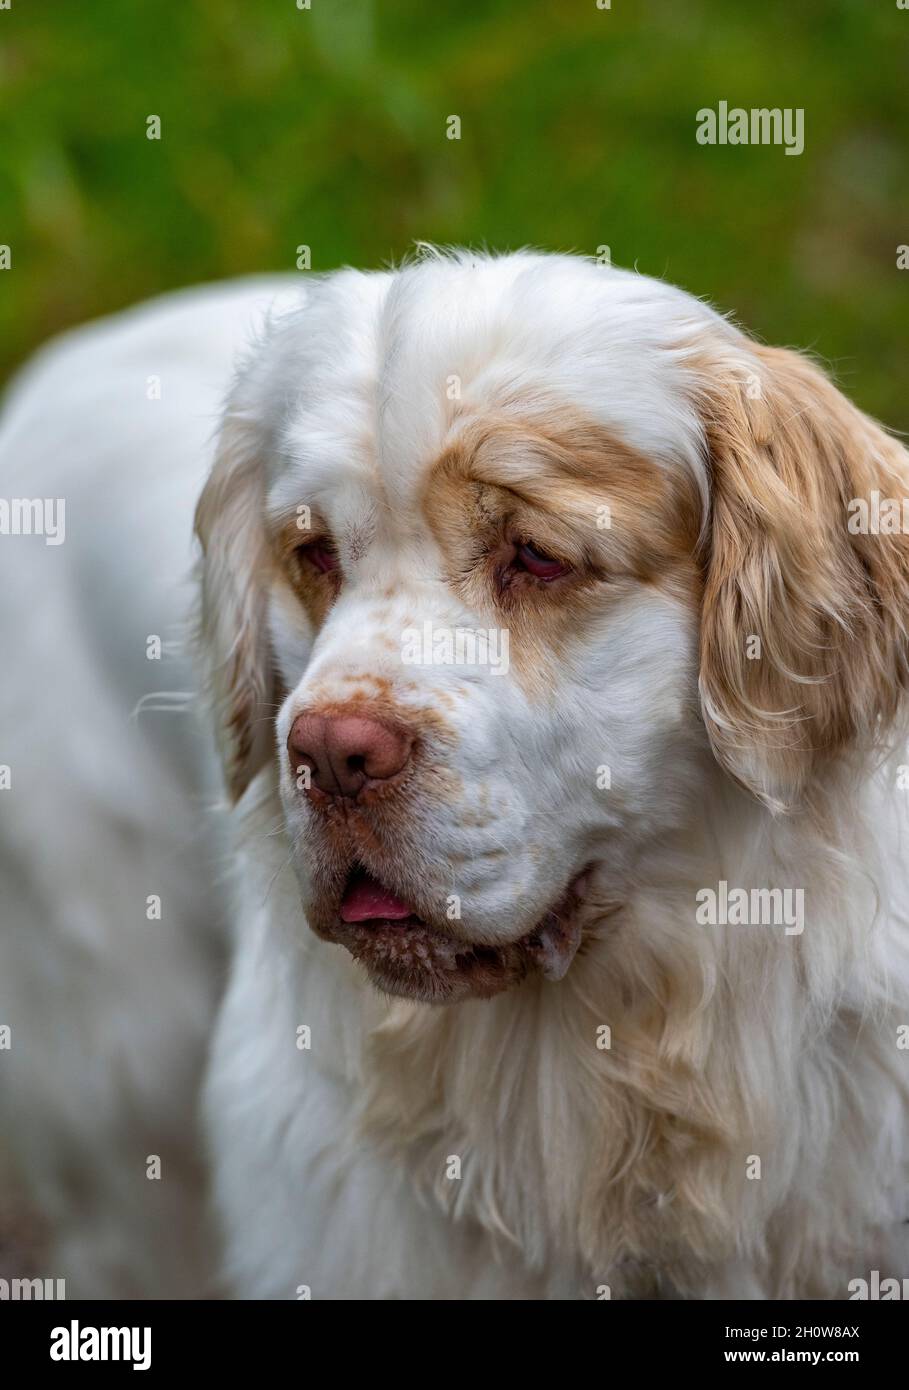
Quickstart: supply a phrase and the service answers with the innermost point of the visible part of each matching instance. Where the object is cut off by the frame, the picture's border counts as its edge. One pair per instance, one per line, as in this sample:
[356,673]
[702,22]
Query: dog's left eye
[321,555]
[538,563]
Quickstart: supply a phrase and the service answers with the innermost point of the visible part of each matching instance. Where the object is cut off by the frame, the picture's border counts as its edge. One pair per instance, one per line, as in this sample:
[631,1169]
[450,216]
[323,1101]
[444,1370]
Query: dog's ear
[232,629]
[805,609]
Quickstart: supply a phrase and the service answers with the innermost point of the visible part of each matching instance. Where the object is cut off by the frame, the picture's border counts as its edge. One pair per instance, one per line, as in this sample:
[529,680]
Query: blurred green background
[326,126]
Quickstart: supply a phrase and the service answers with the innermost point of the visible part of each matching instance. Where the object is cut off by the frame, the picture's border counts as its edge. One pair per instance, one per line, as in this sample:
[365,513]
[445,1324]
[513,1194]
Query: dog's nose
[344,752]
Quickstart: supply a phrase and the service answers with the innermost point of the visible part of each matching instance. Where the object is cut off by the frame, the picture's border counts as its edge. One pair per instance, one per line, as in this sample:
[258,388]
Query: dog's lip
[382,929]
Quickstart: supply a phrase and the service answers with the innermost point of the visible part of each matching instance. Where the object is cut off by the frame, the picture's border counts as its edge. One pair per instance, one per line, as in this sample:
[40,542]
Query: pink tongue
[366,900]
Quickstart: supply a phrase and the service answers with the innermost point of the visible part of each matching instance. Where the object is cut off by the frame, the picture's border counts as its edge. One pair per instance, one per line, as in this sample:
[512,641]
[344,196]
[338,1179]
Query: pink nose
[344,752]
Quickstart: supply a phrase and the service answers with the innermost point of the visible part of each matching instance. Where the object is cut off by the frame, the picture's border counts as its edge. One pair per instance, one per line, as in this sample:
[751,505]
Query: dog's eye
[321,555]
[538,563]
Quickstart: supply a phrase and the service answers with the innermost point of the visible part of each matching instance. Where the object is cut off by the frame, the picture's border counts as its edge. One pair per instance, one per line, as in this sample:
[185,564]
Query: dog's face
[460,532]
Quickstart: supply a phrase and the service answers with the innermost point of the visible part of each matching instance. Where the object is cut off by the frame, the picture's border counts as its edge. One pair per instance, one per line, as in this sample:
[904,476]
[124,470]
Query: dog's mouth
[407,955]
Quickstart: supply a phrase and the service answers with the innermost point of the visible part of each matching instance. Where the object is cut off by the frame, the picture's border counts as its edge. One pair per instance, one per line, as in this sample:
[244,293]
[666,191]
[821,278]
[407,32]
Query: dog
[559,698]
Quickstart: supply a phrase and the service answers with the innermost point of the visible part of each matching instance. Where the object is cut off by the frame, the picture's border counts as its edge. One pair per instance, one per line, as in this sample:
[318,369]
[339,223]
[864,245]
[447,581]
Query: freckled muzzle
[381,817]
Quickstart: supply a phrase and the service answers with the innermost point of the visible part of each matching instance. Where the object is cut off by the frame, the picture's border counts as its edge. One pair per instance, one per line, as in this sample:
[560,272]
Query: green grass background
[327,127]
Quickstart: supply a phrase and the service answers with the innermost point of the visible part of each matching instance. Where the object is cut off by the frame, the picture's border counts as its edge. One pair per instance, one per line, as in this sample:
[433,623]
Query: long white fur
[580,1168]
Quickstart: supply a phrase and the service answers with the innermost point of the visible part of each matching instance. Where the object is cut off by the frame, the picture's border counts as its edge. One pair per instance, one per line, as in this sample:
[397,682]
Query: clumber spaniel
[559,696]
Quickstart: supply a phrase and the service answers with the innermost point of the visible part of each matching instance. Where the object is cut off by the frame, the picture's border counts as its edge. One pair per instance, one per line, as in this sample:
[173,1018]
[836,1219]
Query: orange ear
[804,626]
[232,626]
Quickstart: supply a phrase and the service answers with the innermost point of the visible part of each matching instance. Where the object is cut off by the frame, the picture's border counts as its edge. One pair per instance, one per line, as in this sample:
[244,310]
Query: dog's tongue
[366,901]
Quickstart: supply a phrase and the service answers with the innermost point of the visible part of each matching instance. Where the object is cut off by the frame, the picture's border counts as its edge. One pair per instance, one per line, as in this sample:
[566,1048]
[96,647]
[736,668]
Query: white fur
[112,781]
[580,1167]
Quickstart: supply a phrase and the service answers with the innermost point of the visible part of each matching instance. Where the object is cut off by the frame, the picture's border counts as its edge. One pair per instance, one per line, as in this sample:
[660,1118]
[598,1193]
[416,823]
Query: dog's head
[496,552]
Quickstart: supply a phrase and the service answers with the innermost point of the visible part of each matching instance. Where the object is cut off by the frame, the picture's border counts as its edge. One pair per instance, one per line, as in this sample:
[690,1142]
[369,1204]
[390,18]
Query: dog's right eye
[321,555]
[538,563]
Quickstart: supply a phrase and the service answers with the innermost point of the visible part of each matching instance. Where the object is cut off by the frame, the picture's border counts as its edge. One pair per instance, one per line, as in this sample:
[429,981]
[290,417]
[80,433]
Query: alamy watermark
[79,1342]
[32,1290]
[875,515]
[761,125]
[456,646]
[874,1288]
[34,516]
[751,907]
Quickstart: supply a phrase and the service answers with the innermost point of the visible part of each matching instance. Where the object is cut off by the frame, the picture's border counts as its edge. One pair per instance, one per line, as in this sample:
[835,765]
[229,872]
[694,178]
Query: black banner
[236,1338]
